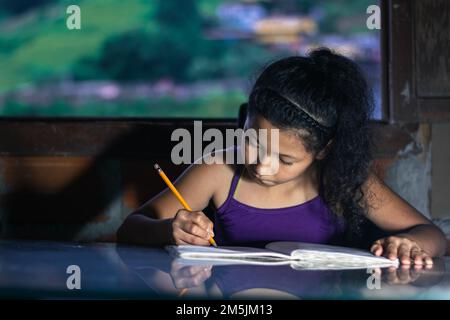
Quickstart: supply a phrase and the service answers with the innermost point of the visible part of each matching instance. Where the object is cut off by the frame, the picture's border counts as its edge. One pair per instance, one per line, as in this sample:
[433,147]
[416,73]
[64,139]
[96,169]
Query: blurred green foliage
[136,40]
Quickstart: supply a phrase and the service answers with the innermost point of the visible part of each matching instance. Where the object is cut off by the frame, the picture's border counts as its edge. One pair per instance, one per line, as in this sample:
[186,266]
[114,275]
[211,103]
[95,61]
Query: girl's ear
[323,153]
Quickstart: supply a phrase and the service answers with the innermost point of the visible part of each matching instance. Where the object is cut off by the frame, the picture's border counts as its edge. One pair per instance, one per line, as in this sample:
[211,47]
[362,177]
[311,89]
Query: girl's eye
[286,163]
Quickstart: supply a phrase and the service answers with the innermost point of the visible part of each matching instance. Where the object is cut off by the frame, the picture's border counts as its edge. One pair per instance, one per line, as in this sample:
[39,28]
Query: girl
[323,190]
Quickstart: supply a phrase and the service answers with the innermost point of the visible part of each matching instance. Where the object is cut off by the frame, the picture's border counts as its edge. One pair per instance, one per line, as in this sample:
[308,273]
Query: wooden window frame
[405,103]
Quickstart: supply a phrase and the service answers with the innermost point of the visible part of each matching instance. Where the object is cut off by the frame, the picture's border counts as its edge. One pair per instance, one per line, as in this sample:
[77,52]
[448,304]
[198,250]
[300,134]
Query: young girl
[323,190]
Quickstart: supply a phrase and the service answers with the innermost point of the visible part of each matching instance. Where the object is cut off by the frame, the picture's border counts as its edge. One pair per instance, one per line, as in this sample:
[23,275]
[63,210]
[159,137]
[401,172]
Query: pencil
[178,195]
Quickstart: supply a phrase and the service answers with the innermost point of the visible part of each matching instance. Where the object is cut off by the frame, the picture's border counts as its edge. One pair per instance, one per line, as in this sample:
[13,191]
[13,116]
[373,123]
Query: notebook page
[331,255]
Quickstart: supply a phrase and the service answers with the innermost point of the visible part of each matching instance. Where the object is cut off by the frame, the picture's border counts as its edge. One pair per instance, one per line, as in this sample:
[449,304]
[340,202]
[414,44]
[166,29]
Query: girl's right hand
[191,227]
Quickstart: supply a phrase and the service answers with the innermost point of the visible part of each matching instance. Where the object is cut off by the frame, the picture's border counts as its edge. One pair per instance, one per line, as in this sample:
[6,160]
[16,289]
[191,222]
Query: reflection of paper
[329,265]
[297,265]
[229,261]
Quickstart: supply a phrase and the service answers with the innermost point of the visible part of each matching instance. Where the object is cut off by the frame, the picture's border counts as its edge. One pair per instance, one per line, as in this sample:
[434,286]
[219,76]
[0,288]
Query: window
[184,58]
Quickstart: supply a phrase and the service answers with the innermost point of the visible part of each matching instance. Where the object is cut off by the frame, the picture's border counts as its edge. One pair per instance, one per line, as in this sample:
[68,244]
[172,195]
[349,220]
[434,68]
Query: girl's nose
[265,167]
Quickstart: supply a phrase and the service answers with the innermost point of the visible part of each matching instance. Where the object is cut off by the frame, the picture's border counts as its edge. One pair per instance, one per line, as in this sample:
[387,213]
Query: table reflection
[172,277]
[37,269]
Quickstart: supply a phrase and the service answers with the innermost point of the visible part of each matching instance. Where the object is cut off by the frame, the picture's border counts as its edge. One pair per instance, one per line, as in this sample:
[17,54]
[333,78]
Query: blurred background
[155,58]
[84,114]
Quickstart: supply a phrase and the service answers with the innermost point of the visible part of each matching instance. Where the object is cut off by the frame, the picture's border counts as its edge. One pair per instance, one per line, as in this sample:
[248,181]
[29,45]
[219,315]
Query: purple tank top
[239,224]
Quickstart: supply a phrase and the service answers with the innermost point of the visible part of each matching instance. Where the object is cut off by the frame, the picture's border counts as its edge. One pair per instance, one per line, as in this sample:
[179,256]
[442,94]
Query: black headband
[307,116]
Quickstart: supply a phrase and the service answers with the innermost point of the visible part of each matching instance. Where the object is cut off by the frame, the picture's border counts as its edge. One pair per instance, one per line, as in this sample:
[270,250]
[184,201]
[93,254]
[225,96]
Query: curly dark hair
[325,98]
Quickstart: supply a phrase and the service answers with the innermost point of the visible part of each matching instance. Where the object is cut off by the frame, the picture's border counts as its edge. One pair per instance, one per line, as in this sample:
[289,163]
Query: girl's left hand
[400,246]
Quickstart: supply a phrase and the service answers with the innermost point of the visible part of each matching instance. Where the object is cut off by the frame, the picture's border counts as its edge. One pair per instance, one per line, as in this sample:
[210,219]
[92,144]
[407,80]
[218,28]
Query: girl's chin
[267,183]
[259,180]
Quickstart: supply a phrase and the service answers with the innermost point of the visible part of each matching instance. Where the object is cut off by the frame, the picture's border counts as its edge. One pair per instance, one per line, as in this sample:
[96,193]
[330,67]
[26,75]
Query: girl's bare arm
[415,237]
[153,222]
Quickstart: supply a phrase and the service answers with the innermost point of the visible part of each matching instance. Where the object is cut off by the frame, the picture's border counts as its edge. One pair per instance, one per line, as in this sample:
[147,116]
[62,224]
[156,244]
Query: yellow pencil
[178,195]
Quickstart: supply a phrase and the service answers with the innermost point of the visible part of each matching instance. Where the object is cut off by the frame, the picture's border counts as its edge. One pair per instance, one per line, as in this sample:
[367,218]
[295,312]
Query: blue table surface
[39,270]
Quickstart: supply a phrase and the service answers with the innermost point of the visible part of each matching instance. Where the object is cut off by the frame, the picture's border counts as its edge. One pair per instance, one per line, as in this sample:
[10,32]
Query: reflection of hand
[189,276]
[405,282]
[405,274]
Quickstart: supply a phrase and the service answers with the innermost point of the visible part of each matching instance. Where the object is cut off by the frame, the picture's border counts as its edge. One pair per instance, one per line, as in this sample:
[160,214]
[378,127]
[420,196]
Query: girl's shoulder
[221,173]
[205,179]
[214,166]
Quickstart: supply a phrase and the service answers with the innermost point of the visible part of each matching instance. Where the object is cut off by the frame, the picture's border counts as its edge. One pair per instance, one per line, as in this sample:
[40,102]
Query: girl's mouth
[256,177]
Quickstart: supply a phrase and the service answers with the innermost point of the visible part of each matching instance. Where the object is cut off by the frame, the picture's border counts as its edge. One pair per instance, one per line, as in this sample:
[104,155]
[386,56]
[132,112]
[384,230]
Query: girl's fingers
[189,238]
[377,248]
[428,261]
[196,230]
[200,219]
[417,256]
[404,254]
[420,257]
[391,250]
[406,250]
[194,222]
[179,242]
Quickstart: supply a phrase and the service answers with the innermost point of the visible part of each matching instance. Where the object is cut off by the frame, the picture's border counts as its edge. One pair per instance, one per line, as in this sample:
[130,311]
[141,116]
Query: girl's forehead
[291,143]
[289,140]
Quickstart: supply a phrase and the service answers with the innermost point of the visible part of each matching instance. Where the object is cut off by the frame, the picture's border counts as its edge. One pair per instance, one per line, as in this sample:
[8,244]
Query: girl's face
[293,159]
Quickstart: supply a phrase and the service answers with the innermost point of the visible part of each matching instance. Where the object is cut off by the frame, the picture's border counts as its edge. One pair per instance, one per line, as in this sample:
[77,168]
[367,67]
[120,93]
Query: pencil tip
[156,166]
[211,241]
